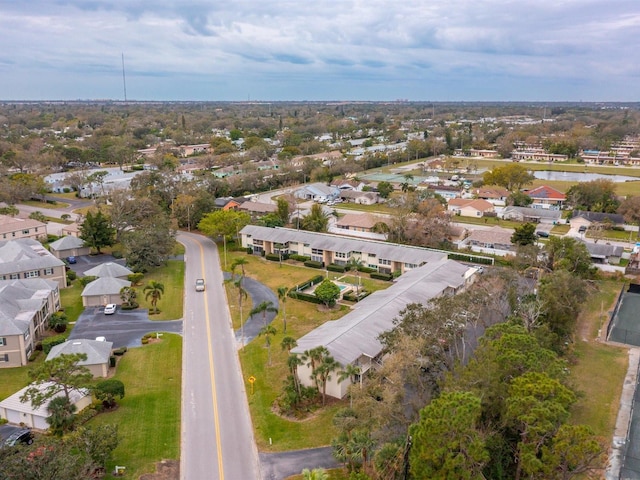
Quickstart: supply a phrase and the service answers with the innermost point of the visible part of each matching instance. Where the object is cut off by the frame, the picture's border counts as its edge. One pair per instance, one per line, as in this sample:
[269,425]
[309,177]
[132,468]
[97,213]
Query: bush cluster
[299,258]
[336,268]
[50,342]
[381,276]
[469,258]
[313,264]
[307,297]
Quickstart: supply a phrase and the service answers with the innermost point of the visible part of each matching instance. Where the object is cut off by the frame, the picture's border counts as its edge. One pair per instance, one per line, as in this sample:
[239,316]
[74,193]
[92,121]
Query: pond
[580,177]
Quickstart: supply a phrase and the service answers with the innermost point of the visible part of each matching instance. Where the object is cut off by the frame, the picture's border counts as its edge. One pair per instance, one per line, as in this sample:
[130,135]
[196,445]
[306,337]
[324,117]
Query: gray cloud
[363,44]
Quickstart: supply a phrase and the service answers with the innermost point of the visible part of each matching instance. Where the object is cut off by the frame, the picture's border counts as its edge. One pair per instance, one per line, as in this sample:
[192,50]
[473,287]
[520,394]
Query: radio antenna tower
[124,80]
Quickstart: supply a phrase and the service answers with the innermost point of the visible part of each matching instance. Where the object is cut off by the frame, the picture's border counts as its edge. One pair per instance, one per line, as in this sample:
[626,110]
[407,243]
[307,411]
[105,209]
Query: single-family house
[69,246]
[102,291]
[489,241]
[348,184]
[73,229]
[13,228]
[27,258]
[532,215]
[25,309]
[228,203]
[470,207]
[97,352]
[604,253]
[358,222]
[19,413]
[257,209]
[546,197]
[361,198]
[109,269]
[353,339]
[495,195]
[581,218]
[445,191]
[317,191]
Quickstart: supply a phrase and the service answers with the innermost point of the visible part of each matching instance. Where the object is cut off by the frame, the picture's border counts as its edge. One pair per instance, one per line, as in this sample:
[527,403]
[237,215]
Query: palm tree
[153,290]
[288,343]
[355,264]
[263,308]
[282,296]
[293,362]
[405,185]
[315,474]
[267,331]
[323,373]
[61,415]
[239,262]
[242,293]
[350,371]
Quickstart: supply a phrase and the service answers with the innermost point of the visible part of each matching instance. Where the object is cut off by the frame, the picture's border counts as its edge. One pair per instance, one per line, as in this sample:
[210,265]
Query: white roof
[357,332]
[13,402]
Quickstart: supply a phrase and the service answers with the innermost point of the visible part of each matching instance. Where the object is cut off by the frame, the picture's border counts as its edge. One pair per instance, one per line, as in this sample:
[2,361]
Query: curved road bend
[217,436]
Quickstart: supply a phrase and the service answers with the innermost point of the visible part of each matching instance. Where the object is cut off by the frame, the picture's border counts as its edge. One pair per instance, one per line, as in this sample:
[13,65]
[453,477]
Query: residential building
[13,228]
[539,155]
[109,269]
[470,207]
[474,152]
[27,258]
[361,198]
[547,197]
[326,248]
[581,218]
[353,339]
[496,240]
[25,309]
[73,229]
[603,253]
[358,222]
[103,291]
[445,191]
[532,215]
[495,195]
[317,191]
[257,209]
[69,246]
[97,352]
[24,413]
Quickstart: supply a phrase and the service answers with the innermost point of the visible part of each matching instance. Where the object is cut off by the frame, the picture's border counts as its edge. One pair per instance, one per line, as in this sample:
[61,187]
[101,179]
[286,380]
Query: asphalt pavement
[276,466]
[123,328]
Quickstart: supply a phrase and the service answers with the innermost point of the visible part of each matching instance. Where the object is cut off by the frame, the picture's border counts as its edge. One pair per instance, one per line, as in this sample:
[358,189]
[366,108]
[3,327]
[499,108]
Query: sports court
[625,327]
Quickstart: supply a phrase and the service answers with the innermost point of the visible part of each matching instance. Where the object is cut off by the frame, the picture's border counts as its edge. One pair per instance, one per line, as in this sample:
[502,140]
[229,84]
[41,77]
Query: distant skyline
[418,50]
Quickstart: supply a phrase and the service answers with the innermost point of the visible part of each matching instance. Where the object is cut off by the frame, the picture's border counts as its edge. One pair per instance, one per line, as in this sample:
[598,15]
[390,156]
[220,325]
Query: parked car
[71,260]
[582,229]
[23,436]
[542,234]
[200,285]
[110,309]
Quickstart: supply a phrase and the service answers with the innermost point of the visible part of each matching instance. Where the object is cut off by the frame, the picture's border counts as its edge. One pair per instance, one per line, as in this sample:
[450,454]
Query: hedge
[306,297]
[336,268]
[313,264]
[299,258]
[273,257]
[309,283]
[50,342]
[352,297]
[366,269]
[381,276]
[470,258]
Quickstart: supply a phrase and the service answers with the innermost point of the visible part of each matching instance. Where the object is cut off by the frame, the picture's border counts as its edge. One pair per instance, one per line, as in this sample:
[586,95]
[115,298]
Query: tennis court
[626,321]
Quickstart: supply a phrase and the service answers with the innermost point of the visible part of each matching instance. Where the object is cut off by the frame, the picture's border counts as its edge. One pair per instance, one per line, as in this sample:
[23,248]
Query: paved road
[217,437]
[276,466]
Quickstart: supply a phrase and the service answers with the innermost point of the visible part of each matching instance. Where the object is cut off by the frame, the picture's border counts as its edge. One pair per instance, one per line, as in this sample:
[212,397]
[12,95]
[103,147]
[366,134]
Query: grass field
[599,369]
[171,303]
[302,317]
[45,205]
[72,301]
[13,379]
[148,417]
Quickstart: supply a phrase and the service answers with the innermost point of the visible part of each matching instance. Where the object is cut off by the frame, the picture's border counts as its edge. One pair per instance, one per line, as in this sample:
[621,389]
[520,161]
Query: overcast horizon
[443,51]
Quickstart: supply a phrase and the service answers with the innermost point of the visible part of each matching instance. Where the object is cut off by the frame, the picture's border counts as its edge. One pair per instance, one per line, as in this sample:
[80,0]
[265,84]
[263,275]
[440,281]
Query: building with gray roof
[27,258]
[97,352]
[533,215]
[69,246]
[353,339]
[102,291]
[25,309]
[326,248]
[108,269]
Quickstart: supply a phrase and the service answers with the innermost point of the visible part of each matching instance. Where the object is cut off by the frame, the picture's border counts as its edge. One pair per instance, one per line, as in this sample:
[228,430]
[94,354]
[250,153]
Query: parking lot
[123,328]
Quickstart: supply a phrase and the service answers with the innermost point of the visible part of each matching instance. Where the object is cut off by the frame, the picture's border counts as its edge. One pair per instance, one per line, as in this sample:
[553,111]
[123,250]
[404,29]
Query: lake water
[580,177]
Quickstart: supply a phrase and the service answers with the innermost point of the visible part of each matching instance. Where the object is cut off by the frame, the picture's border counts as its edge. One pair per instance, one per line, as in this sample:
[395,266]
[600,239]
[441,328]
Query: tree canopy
[328,292]
[512,176]
[96,230]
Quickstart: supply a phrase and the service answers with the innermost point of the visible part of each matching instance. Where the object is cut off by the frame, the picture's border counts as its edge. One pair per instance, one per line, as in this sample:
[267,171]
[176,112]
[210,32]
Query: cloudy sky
[441,50]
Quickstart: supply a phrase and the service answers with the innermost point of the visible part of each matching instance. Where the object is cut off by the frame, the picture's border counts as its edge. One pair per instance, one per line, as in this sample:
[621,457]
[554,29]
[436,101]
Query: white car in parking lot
[110,309]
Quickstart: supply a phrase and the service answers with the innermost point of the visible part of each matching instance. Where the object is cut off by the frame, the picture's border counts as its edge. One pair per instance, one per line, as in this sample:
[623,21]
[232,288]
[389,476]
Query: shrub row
[120,351]
[469,258]
[366,269]
[299,258]
[336,268]
[352,297]
[304,297]
[309,283]
[313,264]
[381,276]
[274,257]
[50,342]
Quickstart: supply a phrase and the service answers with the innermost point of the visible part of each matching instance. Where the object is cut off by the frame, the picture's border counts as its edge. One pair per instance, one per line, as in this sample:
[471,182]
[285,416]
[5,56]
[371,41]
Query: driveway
[86,262]
[124,328]
[276,466]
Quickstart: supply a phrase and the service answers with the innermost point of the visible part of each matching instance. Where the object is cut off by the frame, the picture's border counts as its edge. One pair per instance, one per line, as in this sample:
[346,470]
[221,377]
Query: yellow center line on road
[214,394]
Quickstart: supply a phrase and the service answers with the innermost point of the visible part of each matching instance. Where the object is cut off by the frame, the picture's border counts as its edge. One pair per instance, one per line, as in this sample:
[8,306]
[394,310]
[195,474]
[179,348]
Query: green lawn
[13,379]
[172,277]
[599,370]
[148,417]
[46,205]
[72,301]
[302,317]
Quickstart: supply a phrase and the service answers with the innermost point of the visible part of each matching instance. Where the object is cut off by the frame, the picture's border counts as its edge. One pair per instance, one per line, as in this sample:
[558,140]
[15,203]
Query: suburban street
[217,437]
